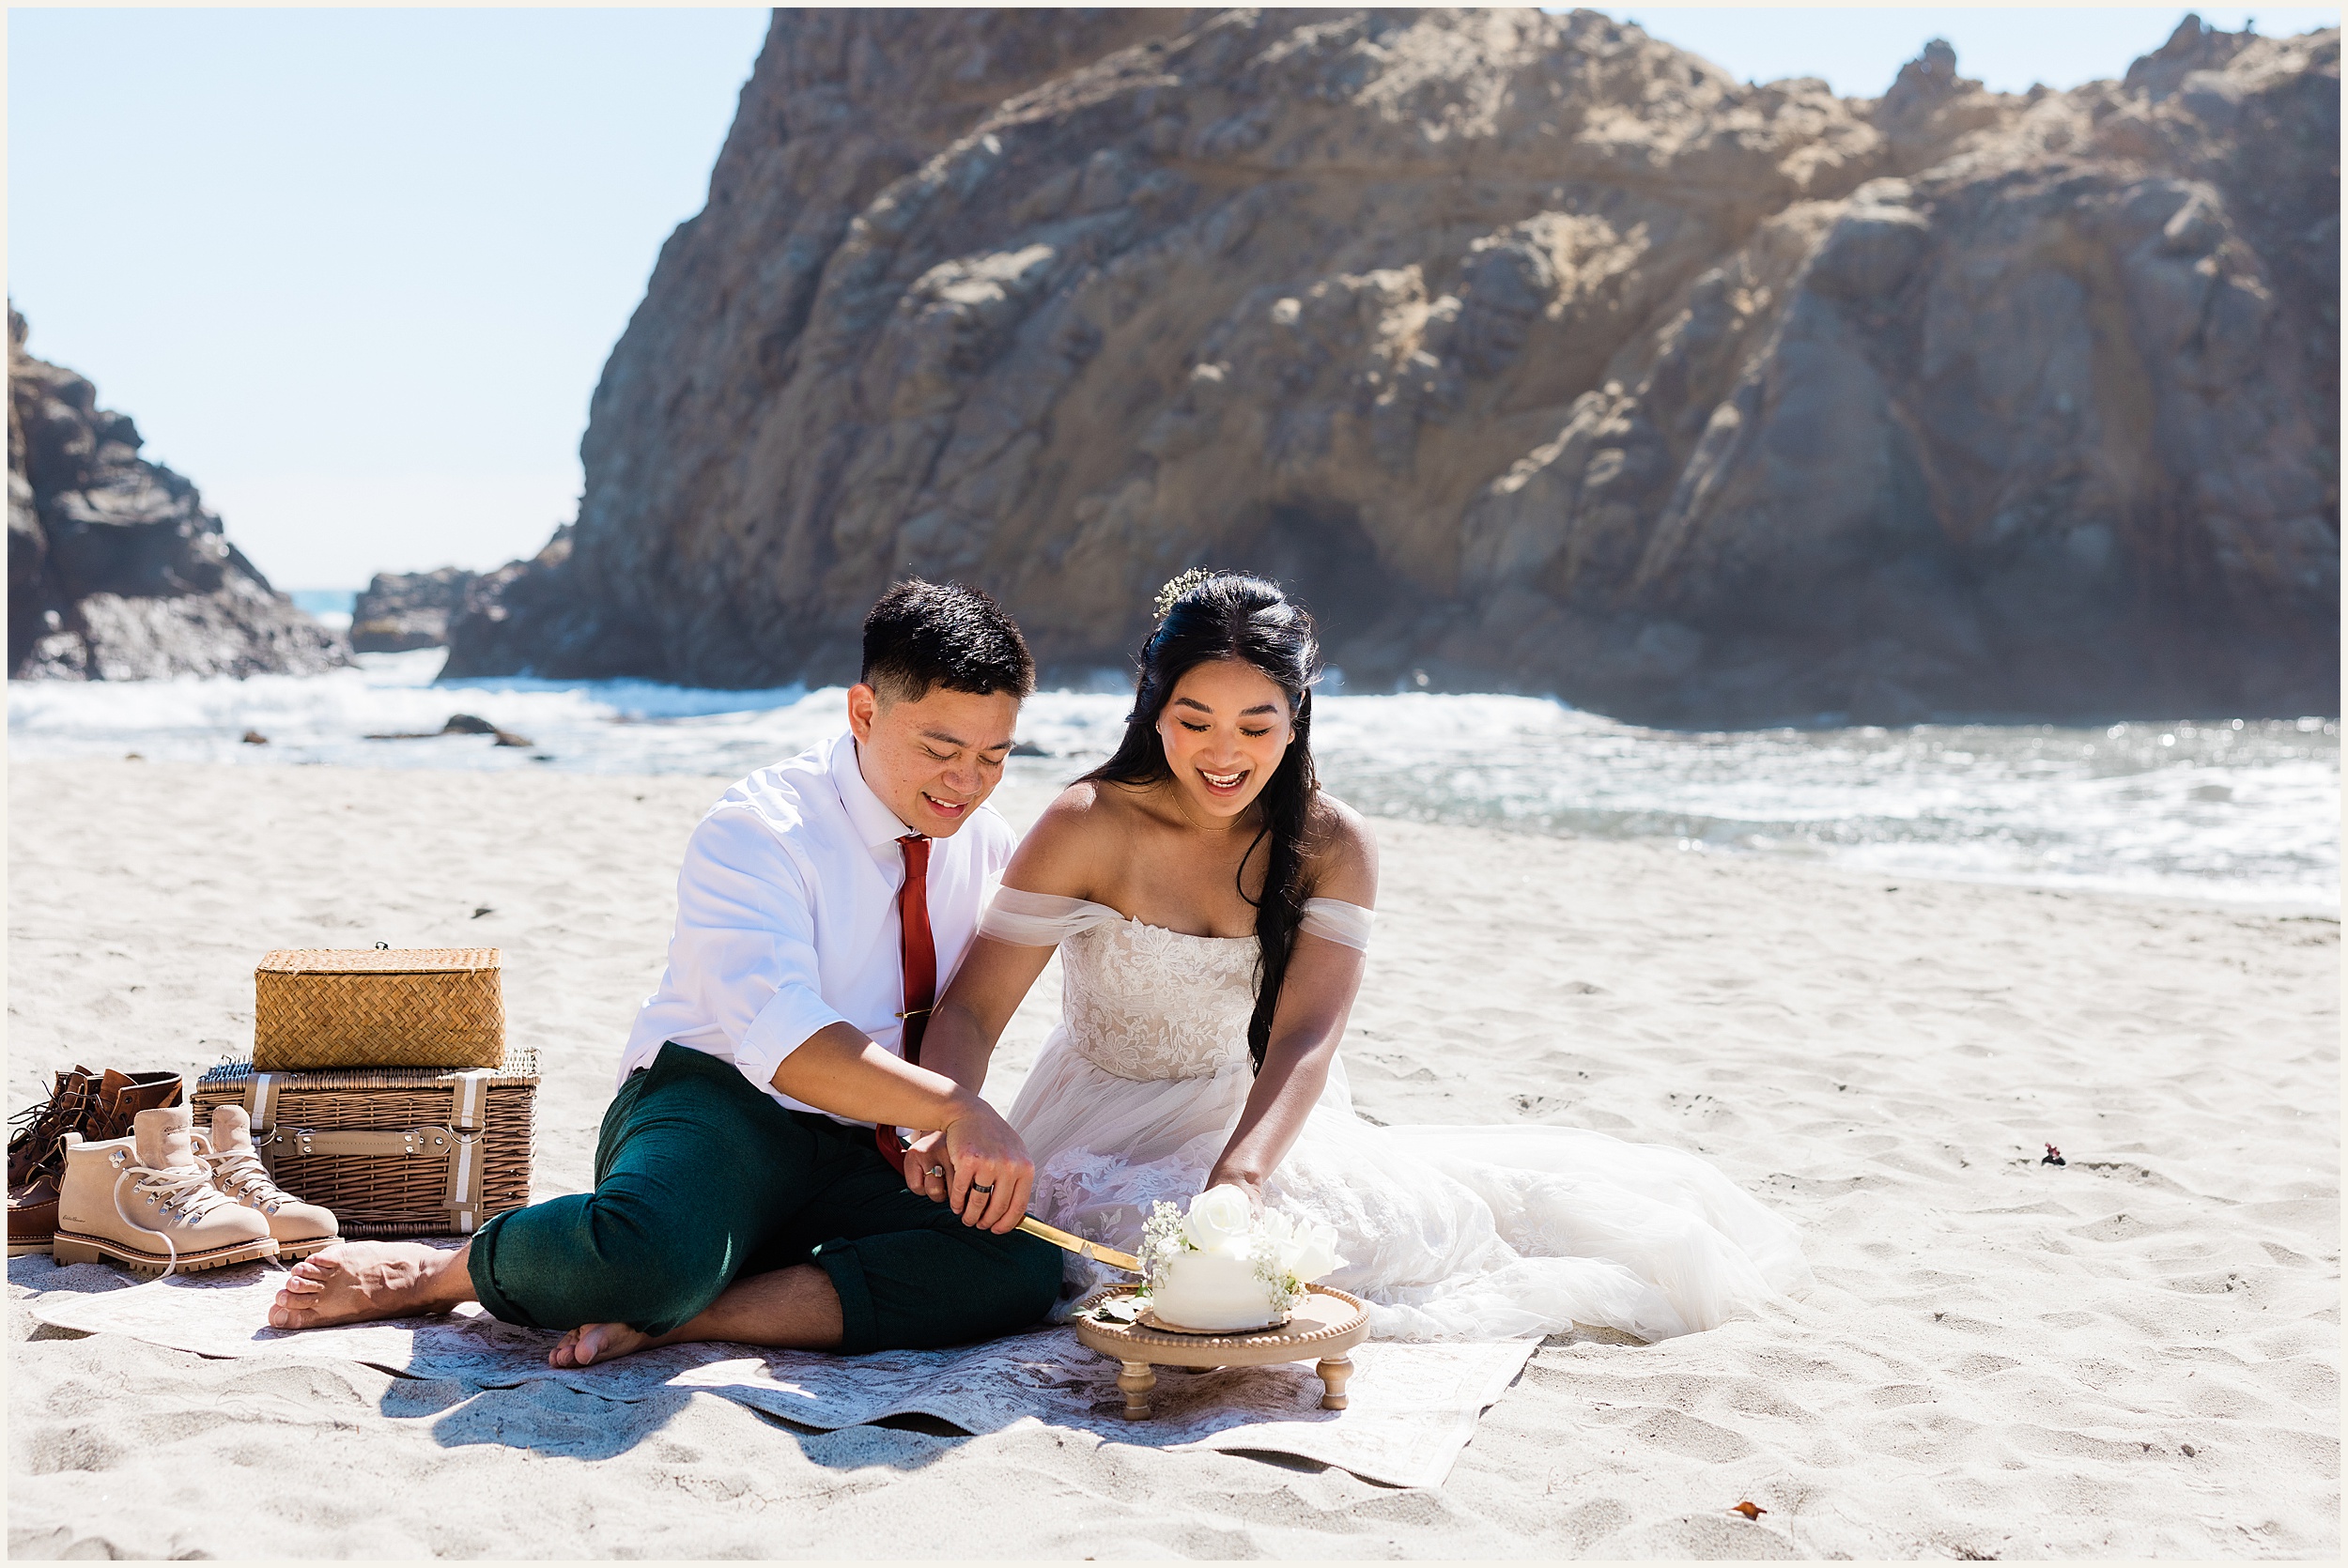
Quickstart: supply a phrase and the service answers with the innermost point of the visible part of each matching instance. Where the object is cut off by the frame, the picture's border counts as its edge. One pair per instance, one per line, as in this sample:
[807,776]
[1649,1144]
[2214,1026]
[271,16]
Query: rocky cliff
[405,611]
[115,570]
[1532,352]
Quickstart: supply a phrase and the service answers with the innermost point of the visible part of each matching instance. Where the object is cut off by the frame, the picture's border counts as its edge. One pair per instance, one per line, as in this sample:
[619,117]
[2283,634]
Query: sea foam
[2242,809]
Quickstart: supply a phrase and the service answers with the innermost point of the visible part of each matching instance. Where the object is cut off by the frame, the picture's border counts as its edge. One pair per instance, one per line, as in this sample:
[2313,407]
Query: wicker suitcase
[376,1007]
[392,1151]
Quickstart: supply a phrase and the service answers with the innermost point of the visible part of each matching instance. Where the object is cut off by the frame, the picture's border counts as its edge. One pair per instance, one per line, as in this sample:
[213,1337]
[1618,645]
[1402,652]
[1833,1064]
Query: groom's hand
[988,1173]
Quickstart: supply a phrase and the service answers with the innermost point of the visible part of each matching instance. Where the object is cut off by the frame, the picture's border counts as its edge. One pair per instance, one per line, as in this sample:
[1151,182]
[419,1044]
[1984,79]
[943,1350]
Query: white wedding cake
[1223,1269]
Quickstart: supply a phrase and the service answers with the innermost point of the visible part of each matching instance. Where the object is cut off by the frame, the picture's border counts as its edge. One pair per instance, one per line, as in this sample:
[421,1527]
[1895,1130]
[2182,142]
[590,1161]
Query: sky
[355,273]
[1860,49]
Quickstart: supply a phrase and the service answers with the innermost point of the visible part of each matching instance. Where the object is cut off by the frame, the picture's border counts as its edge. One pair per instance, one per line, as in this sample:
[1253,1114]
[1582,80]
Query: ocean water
[330,606]
[2240,810]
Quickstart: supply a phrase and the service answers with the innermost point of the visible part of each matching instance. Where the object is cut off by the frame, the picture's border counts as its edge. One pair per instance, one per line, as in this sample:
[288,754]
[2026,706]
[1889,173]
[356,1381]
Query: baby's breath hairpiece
[1174,590]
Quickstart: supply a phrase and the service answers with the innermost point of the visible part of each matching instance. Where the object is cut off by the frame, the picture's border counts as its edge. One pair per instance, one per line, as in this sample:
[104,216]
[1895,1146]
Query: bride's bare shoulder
[1084,807]
[1342,852]
[1072,841]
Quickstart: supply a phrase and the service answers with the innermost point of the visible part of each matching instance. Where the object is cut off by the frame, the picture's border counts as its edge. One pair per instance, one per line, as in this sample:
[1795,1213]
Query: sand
[2134,1354]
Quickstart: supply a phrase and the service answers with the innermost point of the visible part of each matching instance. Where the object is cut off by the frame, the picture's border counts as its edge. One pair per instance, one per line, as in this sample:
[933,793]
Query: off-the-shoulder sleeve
[1026,919]
[1338,921]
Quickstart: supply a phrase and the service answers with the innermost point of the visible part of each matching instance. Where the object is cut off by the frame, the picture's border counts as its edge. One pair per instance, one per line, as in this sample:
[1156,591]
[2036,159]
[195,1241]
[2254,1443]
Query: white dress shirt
[787,921]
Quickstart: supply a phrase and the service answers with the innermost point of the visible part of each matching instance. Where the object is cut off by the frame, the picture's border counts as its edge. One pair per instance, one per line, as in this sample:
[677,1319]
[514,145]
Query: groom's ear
[863,706]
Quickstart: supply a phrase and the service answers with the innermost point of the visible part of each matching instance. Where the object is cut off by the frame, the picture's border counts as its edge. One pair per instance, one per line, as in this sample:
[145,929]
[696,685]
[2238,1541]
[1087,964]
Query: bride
[1211,909]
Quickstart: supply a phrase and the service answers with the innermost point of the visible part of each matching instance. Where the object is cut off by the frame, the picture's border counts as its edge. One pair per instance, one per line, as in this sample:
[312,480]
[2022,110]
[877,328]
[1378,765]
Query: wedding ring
[938,1170]
[981,1186]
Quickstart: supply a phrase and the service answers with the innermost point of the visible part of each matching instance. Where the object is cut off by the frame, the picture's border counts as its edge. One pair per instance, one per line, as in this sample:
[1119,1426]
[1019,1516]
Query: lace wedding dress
[1448,1232]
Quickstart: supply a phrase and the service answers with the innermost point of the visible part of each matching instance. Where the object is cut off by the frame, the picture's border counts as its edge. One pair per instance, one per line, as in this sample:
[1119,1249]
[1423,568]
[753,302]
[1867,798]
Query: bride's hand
[1250,1185]
[923,1155]
[988,1173]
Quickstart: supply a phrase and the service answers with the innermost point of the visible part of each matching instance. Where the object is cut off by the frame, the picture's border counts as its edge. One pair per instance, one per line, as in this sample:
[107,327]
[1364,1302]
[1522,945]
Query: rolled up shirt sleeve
[744,949]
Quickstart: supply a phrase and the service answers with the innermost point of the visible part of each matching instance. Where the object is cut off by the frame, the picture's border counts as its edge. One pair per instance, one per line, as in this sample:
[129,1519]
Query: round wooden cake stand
[1326,1324]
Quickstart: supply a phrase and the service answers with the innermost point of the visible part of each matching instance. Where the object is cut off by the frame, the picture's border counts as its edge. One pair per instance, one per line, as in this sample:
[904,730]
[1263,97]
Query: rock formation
[1534,353]
[404,610]
[115,570]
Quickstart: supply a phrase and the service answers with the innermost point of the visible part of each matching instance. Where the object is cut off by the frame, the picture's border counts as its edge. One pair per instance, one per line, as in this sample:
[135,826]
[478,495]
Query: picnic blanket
[1412,1406]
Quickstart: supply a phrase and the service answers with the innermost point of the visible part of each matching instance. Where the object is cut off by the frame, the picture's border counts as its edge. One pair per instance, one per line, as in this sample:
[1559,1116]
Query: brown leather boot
[148,1202]
[300,1228]
[121,1096]
[37,1160]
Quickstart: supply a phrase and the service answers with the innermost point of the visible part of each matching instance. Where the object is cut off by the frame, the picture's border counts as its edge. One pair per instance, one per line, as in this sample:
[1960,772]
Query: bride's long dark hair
[1228,615]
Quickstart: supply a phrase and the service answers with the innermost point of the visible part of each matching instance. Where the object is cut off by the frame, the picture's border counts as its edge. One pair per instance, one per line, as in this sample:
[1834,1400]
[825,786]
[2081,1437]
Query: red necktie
[920,950]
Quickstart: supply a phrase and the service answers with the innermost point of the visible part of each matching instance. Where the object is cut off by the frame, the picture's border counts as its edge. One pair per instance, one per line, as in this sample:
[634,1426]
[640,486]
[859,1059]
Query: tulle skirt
[1448,1232]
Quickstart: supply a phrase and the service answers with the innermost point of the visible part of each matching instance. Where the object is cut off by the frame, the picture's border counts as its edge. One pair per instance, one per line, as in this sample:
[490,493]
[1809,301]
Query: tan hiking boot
[300,1228]
[148,1202]
[98,1108]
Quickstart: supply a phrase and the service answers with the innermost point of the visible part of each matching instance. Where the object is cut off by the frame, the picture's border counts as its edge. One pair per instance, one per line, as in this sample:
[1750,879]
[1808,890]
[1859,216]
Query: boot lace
[38,1131]
[185,1191]
[240,1171]
[65,1106]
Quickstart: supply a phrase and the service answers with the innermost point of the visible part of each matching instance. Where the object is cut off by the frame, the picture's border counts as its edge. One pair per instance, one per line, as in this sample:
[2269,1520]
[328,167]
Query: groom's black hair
[923,635]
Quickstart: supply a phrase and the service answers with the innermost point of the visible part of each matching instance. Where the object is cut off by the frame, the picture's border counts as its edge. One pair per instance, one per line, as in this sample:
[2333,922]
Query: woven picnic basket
[392,1151]
[383,1007]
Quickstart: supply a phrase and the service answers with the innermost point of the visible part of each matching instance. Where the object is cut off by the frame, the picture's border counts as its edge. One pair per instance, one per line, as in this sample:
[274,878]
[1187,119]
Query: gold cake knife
[1061,1240]
[1079,1246]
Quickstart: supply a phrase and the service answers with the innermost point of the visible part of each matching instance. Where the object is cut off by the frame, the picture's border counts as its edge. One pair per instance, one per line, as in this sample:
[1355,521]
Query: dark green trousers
[700,1177]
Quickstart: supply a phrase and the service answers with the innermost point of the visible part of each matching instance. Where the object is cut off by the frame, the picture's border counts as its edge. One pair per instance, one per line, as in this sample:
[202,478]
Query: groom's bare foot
[352,1282]
[591,1343]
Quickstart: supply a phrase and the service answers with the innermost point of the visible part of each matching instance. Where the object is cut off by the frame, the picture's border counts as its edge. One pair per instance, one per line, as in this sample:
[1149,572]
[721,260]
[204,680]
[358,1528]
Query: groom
[822,904]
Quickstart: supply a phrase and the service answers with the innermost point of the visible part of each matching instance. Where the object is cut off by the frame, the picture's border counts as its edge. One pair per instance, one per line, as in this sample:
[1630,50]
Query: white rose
[1221,1221]
[1310,1250]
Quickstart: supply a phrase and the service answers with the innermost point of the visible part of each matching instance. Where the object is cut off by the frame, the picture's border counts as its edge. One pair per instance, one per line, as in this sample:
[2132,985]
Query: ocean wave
[2239,809]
